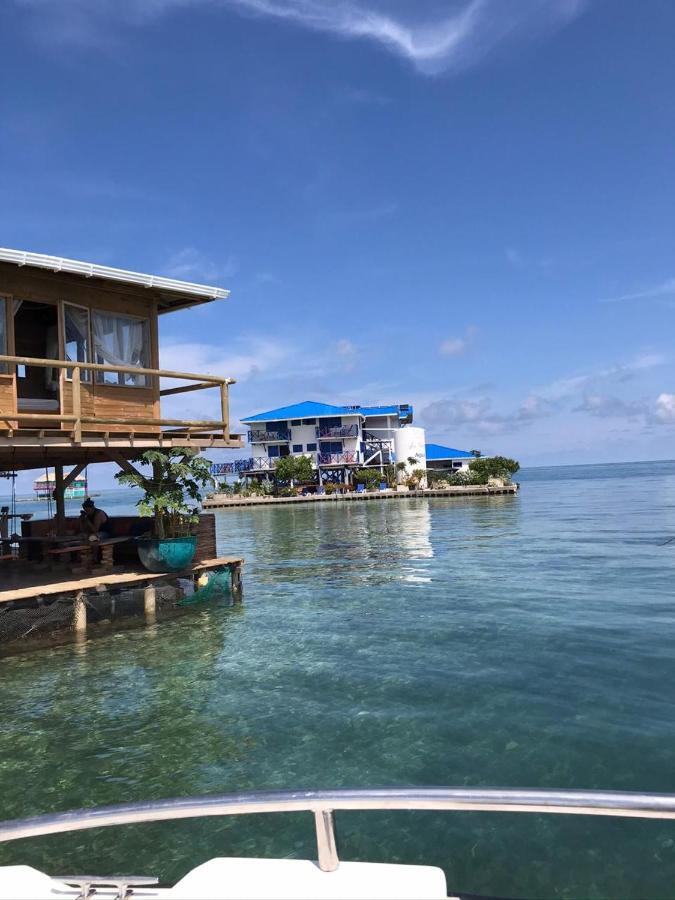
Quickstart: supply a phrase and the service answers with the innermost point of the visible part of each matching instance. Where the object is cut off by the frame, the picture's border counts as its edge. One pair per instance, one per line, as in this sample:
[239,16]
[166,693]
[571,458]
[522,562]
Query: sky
[467,205]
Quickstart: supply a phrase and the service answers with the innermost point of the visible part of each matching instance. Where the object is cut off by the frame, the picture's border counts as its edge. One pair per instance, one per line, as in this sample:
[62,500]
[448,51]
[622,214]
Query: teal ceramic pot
[166,554]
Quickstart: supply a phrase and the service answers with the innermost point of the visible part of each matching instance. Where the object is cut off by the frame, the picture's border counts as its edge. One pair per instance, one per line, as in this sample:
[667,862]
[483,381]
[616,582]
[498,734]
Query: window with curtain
[77,336]
[121,341]
[3,332]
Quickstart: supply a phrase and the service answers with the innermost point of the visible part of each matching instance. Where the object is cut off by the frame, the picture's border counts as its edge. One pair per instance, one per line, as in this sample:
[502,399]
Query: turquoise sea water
[521,641]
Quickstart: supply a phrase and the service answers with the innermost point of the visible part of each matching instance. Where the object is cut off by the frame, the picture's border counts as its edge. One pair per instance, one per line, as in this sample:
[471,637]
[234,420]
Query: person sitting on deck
[94,521]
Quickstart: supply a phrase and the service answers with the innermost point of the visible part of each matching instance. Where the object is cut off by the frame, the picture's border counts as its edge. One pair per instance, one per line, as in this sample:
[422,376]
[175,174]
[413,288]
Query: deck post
[225,409]
[77,404]
[79,614]
[235,574]
[59,496]
[150,603]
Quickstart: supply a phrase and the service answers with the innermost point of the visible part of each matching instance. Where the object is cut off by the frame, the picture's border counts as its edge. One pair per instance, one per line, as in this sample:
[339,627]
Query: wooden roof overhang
[169,293]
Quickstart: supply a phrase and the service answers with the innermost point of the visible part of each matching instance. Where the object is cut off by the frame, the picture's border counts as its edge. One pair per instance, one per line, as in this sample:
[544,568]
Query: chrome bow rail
[324,803]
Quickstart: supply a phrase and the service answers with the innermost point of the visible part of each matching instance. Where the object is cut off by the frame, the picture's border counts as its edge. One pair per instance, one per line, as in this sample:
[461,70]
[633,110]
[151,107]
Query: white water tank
[410,442]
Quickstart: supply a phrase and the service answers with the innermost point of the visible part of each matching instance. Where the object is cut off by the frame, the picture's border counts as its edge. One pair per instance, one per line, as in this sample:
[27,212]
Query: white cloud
[477,416]
[453,346]
[665,409]
[259,355]
[571,385]
[348,353]
[190,264]
[606,406]
[664,289]
[433,36]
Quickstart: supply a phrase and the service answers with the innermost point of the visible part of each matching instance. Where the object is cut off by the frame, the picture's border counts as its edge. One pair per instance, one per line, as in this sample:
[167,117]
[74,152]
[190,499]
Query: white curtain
[76,327]
[17,305]
[121,341]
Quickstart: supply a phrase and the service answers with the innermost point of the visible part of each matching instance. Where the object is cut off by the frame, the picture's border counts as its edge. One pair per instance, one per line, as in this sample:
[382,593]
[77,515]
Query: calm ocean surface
[516,641]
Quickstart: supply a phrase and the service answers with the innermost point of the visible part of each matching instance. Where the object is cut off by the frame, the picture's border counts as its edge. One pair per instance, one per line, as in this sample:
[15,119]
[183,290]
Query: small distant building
[446,459]
[45,485]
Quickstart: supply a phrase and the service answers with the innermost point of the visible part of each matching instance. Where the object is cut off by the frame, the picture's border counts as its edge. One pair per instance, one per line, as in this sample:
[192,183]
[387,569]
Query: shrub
[486,467]
[294,468]
[331,487]
[370,477]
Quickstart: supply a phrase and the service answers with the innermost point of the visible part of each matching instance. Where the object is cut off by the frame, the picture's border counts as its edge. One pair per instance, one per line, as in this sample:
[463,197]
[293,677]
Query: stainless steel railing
[324,803]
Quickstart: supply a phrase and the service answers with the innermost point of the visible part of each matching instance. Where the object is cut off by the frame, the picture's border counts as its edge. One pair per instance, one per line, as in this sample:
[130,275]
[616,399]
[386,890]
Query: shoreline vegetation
[294,477]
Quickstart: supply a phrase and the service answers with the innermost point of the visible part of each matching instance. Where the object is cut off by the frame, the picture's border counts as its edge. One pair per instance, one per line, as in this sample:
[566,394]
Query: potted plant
[171,497]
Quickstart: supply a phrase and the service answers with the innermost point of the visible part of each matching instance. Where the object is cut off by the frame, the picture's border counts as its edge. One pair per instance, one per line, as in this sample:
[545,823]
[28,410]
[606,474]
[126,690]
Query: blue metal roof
[437,451]
[310,409]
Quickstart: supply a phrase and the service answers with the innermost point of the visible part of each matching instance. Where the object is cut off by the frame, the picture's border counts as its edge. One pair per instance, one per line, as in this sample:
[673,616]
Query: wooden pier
[52,605]
[223,501]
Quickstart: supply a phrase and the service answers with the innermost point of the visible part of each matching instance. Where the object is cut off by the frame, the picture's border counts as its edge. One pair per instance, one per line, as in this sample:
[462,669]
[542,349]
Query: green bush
[294,468]
[486,467]
[371,478]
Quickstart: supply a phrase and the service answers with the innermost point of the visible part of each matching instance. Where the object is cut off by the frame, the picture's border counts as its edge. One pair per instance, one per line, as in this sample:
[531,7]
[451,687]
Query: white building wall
[410,441]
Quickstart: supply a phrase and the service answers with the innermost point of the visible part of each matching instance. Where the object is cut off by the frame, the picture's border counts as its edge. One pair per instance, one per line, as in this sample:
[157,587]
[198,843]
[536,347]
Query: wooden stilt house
[80,380]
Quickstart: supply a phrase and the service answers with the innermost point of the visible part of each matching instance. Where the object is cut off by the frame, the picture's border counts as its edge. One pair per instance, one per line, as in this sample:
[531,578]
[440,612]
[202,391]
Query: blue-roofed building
[440,457]
[338,439]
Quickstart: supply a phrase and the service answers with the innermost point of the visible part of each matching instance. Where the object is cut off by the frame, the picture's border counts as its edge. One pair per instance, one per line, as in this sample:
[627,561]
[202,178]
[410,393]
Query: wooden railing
[78,420]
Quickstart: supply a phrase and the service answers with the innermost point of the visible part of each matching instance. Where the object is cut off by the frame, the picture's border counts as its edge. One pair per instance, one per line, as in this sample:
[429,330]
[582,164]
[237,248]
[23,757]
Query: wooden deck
[223,501]
[21,582]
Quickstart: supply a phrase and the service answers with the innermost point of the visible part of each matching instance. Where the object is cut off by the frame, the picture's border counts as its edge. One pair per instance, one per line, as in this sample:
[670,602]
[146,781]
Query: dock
[223,501]
[35,603]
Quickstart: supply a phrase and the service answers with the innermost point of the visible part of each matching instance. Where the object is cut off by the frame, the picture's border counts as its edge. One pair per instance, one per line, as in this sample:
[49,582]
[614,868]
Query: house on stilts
[81,384]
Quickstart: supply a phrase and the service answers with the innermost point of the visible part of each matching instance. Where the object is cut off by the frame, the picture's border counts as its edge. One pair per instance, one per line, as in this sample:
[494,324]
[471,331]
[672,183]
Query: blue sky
[468,206]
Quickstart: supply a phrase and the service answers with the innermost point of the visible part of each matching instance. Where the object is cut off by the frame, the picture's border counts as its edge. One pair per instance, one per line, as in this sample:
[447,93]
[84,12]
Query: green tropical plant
[294,468]
[178,476]
[486,467]
[370,477]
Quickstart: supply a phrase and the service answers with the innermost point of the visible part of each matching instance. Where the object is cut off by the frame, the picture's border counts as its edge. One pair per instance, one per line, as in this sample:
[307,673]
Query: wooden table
[85,550]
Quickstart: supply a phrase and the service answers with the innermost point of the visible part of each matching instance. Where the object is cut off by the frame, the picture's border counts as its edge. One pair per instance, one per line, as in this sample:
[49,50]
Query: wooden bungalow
[80,380]
[79,365]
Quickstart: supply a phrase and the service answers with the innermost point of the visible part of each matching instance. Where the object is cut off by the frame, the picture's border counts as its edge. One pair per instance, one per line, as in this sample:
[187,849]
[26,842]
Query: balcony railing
[338,459]
[264,437]
[79,420]
[337,431]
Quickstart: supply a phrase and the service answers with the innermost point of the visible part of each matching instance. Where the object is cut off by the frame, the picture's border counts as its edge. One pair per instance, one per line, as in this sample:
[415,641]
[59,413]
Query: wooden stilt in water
[79,614]
[150,603]
[235,574]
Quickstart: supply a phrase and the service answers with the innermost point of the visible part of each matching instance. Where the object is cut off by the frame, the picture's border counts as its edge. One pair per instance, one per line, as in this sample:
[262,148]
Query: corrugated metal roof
[173,291]
[310,409]
[437,451]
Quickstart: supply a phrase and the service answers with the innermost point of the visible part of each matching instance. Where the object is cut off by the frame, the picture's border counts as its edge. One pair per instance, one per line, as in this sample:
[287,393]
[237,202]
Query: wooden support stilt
[60,498]
[150,603]
[79,614]
[237,588]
